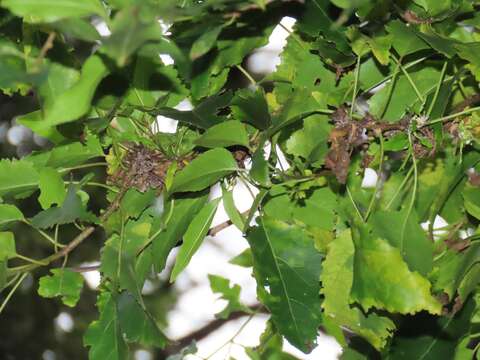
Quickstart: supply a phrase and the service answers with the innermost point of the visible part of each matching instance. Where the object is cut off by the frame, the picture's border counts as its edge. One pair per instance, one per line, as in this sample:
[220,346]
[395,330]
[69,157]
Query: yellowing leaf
[337,279]
[383,281]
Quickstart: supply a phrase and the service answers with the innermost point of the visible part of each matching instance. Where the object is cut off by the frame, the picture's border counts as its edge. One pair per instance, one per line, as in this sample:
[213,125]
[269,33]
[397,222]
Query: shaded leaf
[287,269]
[407,236]
[72,209]
[169,230]
[404,38]
[104,336]
[251,107]
[205,42]
[52,188]
[130,31]
[137,324]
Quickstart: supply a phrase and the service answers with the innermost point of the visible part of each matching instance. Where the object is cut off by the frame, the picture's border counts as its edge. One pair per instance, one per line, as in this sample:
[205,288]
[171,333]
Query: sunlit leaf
[64,283]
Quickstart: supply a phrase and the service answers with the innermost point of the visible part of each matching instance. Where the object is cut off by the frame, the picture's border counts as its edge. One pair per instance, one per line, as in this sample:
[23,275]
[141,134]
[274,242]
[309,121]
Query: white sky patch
[101,27]
[370,179]
[92,278]
[167,125]
[167,59]
[466,233]
[18,134]
[142,355]
[439,225]
[265,59]
[64,322]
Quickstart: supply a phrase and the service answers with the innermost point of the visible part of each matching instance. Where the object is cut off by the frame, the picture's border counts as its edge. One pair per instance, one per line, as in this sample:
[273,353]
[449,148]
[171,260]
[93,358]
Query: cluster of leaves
[368,84]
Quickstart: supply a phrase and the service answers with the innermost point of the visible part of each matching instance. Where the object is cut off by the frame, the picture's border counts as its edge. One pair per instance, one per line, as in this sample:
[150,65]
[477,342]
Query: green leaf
[441,44]
[76,101]
[104,336]
[405,99]
[71,210]
[311,142]
[17,178]
[225,134]
[251,107]
[169,230]
[435,8]
[9,213]
[407,236]
[404,38]
[337,280]
[13,65]
[205,113]
[233,214]
[119,266]
[63,282]
[259,171]
[7,246]
[469,52]
[193,238]
[205,42]
[53,10]
[382,279]
[52,188]
[270,347]
[436,338]
[244,259]
[3,274]
[231,294]
[63,157]
[78,28]
[34,121]
[129,32]
[452,270]
[119,255]
[135,202]
[287,269]
[137,324]
[229,52]
[203,171]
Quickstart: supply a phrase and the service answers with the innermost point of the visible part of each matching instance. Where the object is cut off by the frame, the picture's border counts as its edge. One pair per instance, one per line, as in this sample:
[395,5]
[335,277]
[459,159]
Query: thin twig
[12,291]
[79,238]
[46,46]
[209,328]
[216,229]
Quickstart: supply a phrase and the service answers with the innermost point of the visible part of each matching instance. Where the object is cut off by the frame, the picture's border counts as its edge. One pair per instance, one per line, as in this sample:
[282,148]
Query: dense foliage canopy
[383,87]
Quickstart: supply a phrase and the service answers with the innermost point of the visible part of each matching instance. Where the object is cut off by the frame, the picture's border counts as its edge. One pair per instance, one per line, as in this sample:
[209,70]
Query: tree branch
[77,240]
[216,229]
[205,331]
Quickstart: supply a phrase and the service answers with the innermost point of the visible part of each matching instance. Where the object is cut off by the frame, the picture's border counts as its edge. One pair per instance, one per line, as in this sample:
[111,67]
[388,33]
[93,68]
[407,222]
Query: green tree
[390,87]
